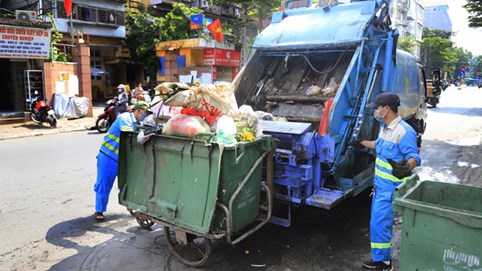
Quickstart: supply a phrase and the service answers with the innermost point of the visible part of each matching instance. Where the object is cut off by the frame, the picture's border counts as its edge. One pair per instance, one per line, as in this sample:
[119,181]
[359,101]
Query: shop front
[23,48]
[225,63]
[197,60]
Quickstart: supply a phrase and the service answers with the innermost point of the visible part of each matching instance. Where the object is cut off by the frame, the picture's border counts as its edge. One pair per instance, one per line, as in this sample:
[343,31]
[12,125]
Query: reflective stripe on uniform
[381,245]
[383,164]
[110,147]
[113,137]
[389,176]
[126,128]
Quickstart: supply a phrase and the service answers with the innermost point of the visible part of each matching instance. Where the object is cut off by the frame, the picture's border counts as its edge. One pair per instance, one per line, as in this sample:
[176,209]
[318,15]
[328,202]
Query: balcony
[94,16]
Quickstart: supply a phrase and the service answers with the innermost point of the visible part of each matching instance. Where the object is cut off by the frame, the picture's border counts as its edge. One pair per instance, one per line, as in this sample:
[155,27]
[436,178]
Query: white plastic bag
[184,98]
[313,90]
[331,87]
[217,100]
[225,130]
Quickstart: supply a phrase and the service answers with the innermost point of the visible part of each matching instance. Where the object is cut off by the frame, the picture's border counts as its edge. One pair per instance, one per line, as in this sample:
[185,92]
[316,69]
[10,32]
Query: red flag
[216,30]
[68,7]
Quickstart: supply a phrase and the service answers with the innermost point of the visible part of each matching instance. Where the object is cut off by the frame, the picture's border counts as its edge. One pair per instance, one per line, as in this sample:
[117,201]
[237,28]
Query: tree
[431,33]
[438,52]
[407,44]
[474,7]
[146,30]
[249,9]
[177,22]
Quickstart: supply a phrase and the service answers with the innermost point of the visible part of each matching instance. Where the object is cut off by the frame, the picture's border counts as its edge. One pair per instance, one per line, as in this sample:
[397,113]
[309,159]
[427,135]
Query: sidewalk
[27,129]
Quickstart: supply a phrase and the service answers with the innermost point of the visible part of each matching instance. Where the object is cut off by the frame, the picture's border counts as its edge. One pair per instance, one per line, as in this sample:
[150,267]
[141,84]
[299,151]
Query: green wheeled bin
[198,190]
[441,226]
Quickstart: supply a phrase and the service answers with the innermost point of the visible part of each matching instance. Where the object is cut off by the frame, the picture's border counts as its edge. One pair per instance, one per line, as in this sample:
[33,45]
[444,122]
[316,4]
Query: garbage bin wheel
[194,254]
[145,223]
[131,212]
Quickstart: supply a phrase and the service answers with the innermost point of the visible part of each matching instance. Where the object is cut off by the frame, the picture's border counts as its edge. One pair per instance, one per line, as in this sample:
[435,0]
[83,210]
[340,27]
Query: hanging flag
[216,30]
[196,21]
[68,7]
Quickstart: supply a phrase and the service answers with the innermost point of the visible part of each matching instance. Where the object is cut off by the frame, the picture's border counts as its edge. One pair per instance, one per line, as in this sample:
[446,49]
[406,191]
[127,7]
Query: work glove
[400,169]
[141,138]
[356,144]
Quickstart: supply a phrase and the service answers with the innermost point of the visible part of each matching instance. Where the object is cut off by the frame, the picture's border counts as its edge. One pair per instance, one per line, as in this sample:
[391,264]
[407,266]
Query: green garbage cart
[199,191]
[441,226]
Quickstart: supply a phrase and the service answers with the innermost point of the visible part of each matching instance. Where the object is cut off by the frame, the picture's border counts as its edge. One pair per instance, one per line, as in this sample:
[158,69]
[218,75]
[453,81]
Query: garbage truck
[317,66]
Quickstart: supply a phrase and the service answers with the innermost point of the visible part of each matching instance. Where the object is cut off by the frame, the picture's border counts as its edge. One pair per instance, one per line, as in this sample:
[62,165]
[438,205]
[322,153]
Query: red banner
[221,57]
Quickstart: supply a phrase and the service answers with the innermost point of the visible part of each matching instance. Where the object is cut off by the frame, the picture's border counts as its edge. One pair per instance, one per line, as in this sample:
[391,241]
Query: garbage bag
[186,126]
[183,98]
[218,100]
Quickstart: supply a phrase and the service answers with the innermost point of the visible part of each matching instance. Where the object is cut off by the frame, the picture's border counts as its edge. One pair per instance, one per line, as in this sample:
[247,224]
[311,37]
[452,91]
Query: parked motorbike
[105,120]
[41,112]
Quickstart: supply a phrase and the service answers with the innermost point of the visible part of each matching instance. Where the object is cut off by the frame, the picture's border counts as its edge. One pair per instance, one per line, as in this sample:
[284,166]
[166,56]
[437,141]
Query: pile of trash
[203,111]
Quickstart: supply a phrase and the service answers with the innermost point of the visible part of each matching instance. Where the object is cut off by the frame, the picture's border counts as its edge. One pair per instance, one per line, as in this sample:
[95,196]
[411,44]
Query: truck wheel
[102,124]
[194,254]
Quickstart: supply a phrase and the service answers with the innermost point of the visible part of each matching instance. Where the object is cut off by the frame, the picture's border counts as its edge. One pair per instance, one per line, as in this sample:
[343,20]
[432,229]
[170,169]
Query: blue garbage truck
[318,66]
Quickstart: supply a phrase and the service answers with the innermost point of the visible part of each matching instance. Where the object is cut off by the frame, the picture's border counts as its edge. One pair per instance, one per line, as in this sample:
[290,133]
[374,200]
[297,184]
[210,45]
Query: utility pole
[245,22]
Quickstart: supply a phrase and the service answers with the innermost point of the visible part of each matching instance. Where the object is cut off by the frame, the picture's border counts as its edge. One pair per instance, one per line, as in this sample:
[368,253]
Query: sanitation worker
[107,159]
[396,156]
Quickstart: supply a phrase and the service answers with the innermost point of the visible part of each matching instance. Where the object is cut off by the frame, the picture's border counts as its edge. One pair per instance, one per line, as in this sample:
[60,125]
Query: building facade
[408,17]
[437,17]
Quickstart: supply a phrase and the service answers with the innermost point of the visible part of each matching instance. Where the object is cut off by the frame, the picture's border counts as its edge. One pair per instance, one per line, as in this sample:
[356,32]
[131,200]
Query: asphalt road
[47,203]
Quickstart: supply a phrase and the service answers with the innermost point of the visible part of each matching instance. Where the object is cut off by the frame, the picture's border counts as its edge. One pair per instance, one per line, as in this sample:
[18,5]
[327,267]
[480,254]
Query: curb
[60,130]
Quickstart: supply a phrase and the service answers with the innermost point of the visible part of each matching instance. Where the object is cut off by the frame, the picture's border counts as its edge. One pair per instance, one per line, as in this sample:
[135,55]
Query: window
[96,65]
[93,14]
[95,53]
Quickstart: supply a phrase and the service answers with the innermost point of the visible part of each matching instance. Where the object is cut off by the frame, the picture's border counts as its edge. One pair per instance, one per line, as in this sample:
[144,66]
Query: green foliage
[144,33]
[432,33]
[177,21]
[474,7]
[407,44]
[56,37]
[254,9]
[438,51]
[146,30]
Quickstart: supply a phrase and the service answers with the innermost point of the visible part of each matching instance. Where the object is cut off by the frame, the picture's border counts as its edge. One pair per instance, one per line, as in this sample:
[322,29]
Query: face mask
[143,116]
[378,116]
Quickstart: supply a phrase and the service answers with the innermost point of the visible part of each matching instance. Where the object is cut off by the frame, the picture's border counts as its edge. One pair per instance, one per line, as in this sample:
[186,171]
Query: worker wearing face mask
[396,156]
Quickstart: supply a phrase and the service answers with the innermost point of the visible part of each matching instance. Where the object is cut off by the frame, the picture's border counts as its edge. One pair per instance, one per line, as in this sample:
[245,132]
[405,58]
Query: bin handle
[209,135]
[241,149]
[402,189]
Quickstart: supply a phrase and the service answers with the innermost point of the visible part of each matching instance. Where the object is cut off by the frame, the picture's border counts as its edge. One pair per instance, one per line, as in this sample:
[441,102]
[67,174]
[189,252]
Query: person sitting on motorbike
[121,100]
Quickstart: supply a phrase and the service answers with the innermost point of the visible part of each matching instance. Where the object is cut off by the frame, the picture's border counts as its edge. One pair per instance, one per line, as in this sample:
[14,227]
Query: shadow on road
[317,240]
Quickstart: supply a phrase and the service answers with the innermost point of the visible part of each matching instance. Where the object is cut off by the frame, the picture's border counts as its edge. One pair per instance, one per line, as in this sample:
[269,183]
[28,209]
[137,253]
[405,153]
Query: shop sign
[24,42]
[221,57]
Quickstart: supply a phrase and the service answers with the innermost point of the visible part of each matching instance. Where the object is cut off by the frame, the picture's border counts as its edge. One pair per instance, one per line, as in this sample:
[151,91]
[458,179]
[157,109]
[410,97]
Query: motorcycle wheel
[52,121]
[102,124]
[34,118]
